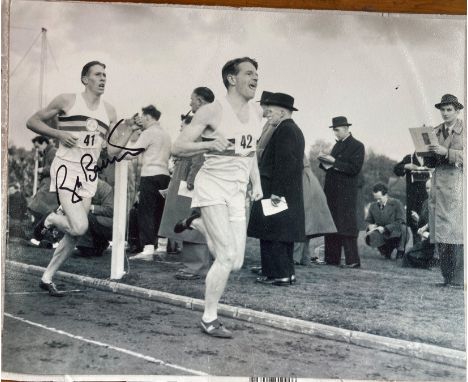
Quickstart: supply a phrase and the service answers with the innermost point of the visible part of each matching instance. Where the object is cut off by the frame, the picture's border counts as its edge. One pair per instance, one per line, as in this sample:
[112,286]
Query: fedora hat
[449,99]
[281,99]
[340,121]
[264,97]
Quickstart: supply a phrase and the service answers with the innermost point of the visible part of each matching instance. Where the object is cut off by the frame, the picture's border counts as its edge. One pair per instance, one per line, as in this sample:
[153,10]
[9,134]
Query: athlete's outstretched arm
[37,122]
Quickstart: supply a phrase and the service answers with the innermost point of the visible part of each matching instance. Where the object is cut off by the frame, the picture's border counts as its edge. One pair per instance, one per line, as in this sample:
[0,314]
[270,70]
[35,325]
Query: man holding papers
[343,166]
[446,200]
[278,220]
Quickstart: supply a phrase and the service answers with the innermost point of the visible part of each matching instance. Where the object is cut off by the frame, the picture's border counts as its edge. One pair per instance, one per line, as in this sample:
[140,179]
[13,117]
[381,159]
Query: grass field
[380,298]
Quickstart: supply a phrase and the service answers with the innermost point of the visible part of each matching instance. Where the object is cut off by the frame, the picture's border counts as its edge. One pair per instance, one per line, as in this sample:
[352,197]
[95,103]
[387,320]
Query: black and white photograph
[218,193]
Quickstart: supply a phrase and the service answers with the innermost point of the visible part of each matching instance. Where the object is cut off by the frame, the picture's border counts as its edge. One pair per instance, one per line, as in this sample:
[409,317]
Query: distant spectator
[17,207]
[386,230]
[196,258]
[154,178]
[421,255]
[318,219]
[342,183]
[99,233]
[415,187]
[44,201]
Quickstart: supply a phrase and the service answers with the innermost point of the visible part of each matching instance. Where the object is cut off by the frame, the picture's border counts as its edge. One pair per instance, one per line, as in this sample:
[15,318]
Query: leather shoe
[186,276]
[184,224]
[353,265]
[256,270]
[265,280]
[286,281]
[51,288]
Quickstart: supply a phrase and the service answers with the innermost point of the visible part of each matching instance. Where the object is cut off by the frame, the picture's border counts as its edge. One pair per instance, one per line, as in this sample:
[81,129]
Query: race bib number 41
[245,144]
[89,140]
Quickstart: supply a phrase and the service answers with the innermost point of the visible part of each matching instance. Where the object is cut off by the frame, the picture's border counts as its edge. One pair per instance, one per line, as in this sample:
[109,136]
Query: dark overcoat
[281,174]
[341,184]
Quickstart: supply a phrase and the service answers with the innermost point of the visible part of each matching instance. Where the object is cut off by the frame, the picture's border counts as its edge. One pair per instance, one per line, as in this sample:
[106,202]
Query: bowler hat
[449,99]
[374,239]
[339,121]
[281,99]
[265,96]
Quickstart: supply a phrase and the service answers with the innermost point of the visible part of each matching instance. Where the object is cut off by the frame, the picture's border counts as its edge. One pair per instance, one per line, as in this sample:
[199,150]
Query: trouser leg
[281,259]
[333,245]
[351,250]
[451,262]
[265,254]
[196,258]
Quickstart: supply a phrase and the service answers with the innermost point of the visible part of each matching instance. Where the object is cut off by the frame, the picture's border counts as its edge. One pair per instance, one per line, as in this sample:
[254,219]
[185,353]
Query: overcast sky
[384,72]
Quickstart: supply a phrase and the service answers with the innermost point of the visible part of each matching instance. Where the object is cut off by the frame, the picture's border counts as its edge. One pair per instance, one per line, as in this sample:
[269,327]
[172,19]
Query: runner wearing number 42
[229,129]
[84,124]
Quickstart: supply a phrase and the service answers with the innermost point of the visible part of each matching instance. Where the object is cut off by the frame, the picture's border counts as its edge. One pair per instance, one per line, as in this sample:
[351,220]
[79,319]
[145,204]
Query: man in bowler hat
[280,169]
[342,167]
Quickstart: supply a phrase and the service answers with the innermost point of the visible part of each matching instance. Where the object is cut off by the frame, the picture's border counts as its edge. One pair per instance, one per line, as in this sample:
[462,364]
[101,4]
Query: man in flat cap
[280,169]
[342,167]
[446,199]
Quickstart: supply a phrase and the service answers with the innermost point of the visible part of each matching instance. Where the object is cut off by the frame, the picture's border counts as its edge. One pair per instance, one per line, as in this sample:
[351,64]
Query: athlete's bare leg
[74,224]
[219,232]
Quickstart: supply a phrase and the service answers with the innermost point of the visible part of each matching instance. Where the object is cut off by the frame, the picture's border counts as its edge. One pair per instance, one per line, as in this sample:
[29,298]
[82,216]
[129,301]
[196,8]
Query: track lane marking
[44,292]
[107,346]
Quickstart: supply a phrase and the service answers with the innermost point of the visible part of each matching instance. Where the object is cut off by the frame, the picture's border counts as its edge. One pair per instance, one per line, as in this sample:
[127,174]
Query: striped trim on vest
[82,123]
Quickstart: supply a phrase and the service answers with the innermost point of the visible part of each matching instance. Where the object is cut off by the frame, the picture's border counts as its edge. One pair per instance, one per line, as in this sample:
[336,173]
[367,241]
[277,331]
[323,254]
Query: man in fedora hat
[446,199]
[386,230]
[280,169]
[342,167]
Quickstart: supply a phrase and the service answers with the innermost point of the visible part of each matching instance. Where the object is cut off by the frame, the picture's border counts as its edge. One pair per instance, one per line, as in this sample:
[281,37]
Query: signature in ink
[87,165]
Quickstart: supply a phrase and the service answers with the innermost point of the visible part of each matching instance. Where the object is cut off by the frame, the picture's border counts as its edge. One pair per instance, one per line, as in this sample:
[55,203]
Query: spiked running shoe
[215,329]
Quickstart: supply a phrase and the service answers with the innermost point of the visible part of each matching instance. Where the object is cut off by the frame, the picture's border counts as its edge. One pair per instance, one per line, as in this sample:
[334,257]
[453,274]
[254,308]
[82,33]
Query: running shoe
[215,329]
[51,288]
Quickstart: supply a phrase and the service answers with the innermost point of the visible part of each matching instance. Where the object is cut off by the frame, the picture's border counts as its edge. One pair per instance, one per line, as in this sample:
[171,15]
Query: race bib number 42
[245,144]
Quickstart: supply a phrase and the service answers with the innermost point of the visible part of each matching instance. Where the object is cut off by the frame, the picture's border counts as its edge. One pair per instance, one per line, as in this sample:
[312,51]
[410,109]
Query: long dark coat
[281,174]
[416,192]
[341,184]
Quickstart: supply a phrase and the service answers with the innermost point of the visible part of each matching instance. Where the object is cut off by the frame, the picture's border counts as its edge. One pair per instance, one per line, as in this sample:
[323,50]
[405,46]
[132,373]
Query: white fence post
[119,220]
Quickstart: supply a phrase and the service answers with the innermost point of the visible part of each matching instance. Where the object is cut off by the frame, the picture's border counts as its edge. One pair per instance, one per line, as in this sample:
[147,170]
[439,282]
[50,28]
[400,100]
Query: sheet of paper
[184,191]
[270,209]
[422,138]
[326,165]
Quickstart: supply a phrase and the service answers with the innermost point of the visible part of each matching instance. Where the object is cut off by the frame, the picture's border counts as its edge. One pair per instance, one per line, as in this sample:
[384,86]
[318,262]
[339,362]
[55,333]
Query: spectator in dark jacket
[421,255]
[99,233]
[386,230]
[415,187]
[44,201]
[343,166]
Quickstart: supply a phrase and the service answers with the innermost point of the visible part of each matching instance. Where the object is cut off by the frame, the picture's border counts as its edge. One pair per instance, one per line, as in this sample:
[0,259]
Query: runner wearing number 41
[229,129]
[84,123]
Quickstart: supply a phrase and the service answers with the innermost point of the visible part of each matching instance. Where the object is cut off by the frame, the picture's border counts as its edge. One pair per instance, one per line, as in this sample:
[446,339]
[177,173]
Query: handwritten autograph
[86,163]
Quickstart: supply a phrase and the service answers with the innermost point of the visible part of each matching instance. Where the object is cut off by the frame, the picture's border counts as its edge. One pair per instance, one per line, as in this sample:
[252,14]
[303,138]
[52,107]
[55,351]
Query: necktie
[445,132]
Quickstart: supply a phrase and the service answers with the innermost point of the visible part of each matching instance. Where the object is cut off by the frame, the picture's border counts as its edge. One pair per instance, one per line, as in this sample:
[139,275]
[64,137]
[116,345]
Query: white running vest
[89,126]
[235,163]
